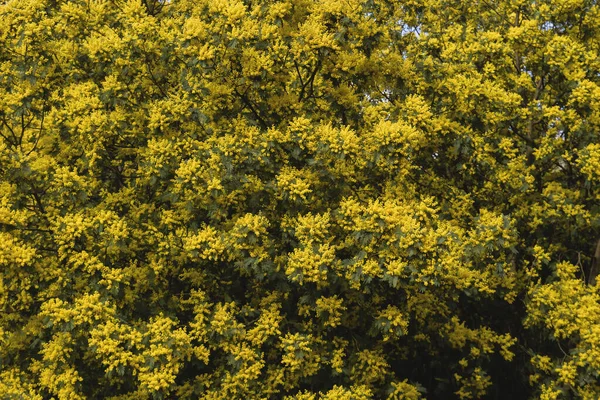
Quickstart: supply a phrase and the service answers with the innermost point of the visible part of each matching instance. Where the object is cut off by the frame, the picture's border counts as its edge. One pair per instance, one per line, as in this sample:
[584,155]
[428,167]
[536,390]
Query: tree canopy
[299,199]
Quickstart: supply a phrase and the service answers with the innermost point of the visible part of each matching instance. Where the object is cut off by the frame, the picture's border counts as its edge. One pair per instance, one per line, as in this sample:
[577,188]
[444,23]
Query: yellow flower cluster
[299,199]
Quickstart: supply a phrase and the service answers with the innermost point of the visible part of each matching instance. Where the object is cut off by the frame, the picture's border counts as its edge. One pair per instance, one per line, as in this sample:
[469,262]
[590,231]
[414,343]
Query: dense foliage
[299,199]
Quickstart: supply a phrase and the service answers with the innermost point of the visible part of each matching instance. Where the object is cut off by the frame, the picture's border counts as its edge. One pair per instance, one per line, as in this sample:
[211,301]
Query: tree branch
[248,104]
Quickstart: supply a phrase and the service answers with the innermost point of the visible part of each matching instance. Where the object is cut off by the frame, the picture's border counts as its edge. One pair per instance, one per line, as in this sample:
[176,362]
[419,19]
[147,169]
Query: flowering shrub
[299,199]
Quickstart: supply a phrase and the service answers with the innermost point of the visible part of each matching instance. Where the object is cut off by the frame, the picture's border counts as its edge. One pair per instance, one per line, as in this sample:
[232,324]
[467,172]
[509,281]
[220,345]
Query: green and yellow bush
[299,199]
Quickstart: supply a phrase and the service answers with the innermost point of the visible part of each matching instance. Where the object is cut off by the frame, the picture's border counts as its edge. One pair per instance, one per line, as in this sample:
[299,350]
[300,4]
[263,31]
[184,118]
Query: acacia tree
[299,199]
